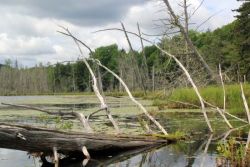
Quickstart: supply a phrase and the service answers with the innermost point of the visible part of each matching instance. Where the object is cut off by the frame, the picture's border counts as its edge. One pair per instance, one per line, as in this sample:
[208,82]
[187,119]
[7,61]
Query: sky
[28,28]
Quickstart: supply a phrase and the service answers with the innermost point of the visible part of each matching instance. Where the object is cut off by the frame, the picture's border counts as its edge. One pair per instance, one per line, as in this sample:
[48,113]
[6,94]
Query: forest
[228,46]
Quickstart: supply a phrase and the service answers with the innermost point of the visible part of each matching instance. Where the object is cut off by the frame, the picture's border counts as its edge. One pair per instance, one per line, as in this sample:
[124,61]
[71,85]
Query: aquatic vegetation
[178,135]
[212,94]
[63,124]
[233,153]
[56,122]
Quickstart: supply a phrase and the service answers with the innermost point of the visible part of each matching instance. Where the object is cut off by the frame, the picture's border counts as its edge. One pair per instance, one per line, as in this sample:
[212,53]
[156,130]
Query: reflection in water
[171,155]
[198,150]
[14,158]
[206,149]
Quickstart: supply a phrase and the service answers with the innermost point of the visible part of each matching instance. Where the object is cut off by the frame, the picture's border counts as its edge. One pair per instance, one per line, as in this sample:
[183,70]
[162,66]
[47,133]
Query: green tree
[243,37]
[108,55]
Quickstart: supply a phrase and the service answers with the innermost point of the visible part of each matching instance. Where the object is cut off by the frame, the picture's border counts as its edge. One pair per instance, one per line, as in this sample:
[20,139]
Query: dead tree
[144,69]
[120,80]
[175,21]
[132,98]
[137,72]
[245,102]
[104,106]
[202,101]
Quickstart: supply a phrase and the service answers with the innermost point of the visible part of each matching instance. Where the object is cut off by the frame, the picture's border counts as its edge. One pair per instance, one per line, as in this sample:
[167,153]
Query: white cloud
[32,39]
[24,45]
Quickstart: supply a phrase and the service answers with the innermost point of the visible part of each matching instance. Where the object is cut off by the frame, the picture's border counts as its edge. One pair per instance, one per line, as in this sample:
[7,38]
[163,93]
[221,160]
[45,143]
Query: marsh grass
[212,94]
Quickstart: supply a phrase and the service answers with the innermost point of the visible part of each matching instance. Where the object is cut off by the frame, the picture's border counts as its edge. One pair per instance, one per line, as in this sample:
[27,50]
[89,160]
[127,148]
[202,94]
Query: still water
[188,153]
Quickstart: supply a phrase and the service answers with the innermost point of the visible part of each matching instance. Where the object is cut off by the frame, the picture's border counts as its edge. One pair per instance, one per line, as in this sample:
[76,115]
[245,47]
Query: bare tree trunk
[186,30]
[120,85]
[99,80]
[245,102]
[132,98]
[183,69]
[134,62]
[224,100]
[193,85]
[177,23]
[223,87]
[56,159]
[74,82]
[94,85]
[144,59]
[153,78]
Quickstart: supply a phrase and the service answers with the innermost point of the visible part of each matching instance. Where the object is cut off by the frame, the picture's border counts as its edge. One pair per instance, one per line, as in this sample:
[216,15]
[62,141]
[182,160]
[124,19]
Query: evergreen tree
[243,37]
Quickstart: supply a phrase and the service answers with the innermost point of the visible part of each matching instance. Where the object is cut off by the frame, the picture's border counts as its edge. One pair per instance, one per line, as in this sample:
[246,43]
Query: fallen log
[34,139]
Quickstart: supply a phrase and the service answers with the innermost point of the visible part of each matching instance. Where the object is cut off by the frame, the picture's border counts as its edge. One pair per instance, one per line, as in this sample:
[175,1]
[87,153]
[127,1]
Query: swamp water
[190,152]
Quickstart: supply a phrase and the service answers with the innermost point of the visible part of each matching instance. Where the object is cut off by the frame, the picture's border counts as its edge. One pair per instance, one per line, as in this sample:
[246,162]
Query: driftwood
[34,139]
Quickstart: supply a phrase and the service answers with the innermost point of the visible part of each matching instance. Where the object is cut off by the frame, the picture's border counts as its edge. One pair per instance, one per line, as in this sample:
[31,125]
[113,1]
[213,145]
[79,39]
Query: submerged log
[34,139]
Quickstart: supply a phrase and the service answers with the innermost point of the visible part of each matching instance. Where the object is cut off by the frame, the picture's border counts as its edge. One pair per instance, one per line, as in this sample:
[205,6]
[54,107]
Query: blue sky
[28,27]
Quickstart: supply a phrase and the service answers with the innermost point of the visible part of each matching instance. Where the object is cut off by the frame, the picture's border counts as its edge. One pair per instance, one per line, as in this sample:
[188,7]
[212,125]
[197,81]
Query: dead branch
[197,8]
[183,69]
[224,117]
[131,96]
[85,152]
[80,116]
[245,102]
[56,159]
[206,149]
[177,23]
[207,20]
[223,87]
[94,85]
[144,62]
[202,101]
[222,113]
[231,115]
[193,85]
[133,61]
[93,113]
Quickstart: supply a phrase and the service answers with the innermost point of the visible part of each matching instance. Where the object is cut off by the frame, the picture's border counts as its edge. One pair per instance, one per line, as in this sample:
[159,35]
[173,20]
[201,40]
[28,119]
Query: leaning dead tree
[190,79]
[181,66]
[104,106]
[176,21]
[131,97]
[245,102]
[77,41]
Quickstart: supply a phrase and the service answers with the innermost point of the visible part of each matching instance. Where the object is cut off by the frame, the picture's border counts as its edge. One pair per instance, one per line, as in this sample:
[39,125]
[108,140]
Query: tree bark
[44,140]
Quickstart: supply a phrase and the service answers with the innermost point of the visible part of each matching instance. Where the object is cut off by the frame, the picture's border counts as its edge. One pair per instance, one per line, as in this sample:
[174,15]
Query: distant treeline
[145,70]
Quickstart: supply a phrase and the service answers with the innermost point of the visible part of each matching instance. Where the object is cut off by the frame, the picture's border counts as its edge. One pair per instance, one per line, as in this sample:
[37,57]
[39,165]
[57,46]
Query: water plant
[63,124]
[232,153]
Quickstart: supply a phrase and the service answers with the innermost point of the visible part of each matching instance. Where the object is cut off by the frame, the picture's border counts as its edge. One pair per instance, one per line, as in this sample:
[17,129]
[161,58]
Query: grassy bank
[212,94]
[185,98]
